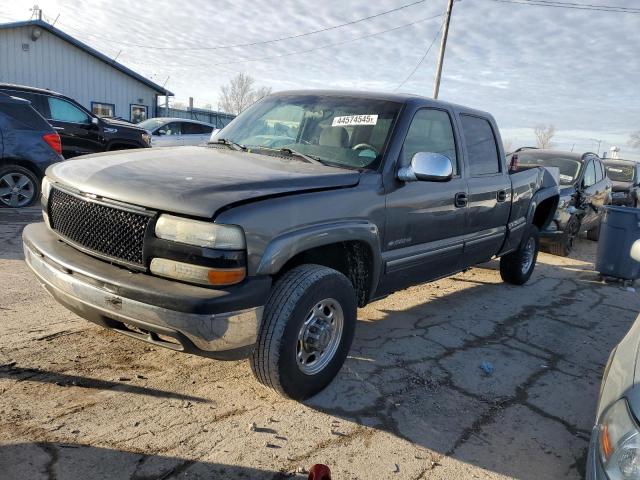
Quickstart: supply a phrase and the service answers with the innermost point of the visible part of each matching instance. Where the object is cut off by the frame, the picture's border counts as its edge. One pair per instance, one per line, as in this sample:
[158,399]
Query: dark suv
[28,145]
[80,130]
[625,175]
[584,190]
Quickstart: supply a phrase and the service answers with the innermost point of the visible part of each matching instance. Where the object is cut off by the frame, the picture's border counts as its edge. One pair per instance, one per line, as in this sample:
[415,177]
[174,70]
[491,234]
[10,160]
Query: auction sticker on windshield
[355,120]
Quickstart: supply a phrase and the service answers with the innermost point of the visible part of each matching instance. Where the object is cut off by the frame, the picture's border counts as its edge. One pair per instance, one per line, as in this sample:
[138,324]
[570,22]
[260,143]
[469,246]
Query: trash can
[619,229]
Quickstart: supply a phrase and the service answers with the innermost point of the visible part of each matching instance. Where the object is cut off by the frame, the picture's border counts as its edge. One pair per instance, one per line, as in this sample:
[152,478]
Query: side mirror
[428,167]
[635,251]
[95,120]
[160,132]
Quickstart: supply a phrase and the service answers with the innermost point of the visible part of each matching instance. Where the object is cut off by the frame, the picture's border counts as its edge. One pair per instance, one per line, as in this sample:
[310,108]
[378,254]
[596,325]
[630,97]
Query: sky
[578,70]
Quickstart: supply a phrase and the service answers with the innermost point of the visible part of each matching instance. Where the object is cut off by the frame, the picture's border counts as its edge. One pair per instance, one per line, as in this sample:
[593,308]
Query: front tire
[516,267]
[19,187]
[307,329]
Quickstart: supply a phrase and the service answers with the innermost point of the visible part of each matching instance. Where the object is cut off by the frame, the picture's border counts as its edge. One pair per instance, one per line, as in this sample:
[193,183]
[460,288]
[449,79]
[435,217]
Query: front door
[167,135]
[489,202]
[424,227]
[79,136]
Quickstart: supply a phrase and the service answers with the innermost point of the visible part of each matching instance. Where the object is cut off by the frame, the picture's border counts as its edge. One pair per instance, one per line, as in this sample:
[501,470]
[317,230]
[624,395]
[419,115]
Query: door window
[173,128]
[138,113]
[430,131]
[64,111]
[589,175]
[195,129]
[599,174]
[481,145]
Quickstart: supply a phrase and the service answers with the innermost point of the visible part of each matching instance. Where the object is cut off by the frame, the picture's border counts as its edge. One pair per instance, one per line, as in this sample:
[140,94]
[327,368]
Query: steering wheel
[363,146]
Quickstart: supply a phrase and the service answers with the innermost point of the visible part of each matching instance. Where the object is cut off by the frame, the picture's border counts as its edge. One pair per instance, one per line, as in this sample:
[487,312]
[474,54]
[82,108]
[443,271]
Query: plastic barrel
[619,229]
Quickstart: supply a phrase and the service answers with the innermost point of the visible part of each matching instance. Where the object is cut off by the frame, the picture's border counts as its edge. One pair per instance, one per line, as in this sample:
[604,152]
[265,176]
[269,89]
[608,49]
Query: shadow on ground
[70,461]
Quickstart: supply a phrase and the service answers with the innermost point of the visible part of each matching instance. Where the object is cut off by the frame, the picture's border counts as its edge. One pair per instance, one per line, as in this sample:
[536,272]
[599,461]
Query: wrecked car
[264,244]
[625,176]
[584,190]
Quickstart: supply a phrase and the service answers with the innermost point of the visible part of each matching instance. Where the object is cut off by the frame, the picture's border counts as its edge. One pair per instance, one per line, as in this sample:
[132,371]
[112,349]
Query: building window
[138,113]
[103,109]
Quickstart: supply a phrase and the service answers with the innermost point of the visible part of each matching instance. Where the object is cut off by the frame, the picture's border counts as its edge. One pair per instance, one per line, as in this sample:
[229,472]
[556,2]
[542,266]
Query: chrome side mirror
[95,120]
[635,251]
[428,167]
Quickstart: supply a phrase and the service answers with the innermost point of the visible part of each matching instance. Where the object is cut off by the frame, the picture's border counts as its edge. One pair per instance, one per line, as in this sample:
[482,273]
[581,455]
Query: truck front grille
[109,232]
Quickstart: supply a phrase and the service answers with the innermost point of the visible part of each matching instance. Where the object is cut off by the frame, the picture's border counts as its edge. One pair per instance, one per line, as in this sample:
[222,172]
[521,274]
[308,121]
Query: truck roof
[386,96]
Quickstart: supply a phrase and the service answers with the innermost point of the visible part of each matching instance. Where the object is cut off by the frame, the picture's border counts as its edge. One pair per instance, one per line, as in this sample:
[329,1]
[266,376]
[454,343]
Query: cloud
[527,65]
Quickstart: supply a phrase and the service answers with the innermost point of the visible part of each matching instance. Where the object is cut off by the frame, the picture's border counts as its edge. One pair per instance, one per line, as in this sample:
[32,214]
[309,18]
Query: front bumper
[220,324]
[594,466]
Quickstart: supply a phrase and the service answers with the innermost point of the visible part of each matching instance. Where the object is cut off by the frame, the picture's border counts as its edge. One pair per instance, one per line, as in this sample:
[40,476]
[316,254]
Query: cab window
[430,131]
[480,141]
[63,111]
[589,175]
[173,128]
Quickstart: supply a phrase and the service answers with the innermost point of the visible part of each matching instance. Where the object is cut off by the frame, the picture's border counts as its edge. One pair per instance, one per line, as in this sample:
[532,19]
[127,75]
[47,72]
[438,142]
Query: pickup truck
[263,244]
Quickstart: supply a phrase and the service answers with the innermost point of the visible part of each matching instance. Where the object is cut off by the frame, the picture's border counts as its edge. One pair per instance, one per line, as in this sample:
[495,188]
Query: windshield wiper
[230,144]
[292,152]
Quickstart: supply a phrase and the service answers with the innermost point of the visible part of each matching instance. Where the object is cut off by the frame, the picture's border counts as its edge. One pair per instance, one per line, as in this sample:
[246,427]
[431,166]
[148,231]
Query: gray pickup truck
[263,244]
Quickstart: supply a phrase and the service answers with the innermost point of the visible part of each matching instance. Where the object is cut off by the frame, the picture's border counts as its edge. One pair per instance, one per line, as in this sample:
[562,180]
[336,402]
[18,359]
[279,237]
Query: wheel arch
[352,248]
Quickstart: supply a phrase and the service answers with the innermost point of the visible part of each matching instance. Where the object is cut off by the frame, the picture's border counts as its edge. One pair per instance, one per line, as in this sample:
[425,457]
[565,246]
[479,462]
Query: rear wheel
[517,267]
[307,329]
[19,187]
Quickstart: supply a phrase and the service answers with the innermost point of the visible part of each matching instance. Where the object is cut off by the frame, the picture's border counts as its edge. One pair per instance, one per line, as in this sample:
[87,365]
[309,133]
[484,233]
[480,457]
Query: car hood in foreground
[196,181]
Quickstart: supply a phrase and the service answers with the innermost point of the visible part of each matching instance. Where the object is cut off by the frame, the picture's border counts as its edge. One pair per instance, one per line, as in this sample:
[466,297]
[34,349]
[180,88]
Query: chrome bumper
[226,335]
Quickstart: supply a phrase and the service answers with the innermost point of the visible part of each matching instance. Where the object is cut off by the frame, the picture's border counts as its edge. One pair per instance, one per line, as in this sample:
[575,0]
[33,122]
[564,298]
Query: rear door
[489,202]
[78,134]
[195,133]
[424,228]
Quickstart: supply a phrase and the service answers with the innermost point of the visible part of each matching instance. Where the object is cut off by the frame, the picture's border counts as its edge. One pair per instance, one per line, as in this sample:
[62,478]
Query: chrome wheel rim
[16,189]
[319,336]
[527,254]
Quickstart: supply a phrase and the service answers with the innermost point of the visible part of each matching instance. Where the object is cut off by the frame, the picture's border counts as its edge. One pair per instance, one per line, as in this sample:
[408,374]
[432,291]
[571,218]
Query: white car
[174,132]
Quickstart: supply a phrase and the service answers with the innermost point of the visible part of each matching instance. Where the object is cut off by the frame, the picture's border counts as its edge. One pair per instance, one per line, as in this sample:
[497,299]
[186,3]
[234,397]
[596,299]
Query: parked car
[625,175]
[584,190]
[614,450]
[28,145]
[81,132]
[247,250]
[173,132]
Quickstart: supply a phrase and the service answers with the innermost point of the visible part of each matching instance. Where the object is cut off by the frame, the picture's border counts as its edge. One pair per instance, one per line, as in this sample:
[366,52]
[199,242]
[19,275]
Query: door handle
[58,128]
[501,196]
[461,199]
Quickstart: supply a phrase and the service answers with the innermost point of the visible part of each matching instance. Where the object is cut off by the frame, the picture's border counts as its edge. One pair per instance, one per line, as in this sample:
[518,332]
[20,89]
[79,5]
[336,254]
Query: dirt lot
[80,402]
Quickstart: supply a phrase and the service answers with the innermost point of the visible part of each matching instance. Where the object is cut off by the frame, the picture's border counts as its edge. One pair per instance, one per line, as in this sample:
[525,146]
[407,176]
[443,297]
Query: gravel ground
[411,402]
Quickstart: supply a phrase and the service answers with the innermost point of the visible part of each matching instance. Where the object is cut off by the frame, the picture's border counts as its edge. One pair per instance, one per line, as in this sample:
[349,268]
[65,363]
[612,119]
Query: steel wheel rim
[319,336]
[527,254]
[16,189]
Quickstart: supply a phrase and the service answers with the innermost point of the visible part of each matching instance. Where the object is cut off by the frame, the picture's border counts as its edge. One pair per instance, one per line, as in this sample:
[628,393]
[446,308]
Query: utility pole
[443,45]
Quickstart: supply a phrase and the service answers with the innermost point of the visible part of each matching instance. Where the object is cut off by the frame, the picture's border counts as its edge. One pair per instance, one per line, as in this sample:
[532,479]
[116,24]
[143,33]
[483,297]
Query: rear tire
[307,329]
[594,233]
[19,187]
[516,267]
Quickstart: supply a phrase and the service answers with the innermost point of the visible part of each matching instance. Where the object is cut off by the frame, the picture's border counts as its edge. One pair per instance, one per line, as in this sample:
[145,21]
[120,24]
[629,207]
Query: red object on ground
[319,472]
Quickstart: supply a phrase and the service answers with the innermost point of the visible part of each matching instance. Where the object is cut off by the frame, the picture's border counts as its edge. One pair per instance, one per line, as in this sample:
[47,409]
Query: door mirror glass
[95,120]
[428,167]
[635,251]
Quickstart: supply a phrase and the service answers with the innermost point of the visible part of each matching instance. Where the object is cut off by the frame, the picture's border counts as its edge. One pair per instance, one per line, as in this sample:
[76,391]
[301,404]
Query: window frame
[146,109]
[62,99]
[584,174]
[453,131]
[501,165]
[112,105]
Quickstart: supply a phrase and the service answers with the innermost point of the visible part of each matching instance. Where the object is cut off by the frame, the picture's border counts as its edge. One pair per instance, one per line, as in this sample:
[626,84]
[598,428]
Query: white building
[37,54]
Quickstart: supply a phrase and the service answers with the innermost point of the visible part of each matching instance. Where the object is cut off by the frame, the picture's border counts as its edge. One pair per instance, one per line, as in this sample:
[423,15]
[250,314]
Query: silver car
[614,451]
[174,132]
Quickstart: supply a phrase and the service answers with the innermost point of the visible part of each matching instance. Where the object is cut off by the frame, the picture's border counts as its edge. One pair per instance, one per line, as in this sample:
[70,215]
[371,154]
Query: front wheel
[307,329]
[516,267]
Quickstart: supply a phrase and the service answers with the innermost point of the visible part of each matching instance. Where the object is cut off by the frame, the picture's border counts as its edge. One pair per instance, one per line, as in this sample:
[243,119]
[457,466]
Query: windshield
[621,173]
[569,168]
[343,131]
[151,123]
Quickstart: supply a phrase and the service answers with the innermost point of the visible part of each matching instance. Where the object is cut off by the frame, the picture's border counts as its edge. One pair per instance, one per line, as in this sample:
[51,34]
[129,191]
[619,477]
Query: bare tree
[240,93]
[634,140]
[544,134]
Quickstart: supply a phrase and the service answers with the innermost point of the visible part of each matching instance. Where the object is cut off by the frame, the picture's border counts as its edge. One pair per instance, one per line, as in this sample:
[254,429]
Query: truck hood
[196,181]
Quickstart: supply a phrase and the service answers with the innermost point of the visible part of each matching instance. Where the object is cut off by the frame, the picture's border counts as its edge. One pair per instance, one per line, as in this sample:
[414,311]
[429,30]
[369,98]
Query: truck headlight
[46,189]
[620,443]
[198,274]
[199,233]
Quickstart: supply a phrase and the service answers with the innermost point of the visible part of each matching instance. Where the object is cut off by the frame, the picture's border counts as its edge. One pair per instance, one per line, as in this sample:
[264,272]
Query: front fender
[286,246]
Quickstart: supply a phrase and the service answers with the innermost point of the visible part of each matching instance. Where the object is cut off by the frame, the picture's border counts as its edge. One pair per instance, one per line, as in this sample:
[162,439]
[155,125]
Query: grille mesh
[118,234]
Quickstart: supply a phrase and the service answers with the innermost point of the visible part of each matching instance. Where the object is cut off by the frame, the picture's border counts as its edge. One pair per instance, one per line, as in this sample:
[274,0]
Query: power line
[608,7]
[415,69]
[600,8]
[261,42]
